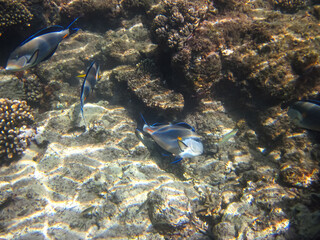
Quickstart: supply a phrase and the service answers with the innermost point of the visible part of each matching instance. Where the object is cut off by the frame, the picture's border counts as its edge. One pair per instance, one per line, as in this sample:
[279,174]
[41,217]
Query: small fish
[90,80]
[39,47]
[180,139]
[306,114]
[227,136]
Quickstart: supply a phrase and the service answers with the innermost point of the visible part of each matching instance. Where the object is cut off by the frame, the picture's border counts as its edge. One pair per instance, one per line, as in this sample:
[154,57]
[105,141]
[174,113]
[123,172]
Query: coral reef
[13,13]
[176,21]
[15,118]
[230,69]
[290,6]
[34,90]
[92,12]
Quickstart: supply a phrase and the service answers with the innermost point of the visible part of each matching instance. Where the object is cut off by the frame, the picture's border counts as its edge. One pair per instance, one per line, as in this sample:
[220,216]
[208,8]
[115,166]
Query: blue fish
[179,139]
[90,80]
[306,114]
[39,47]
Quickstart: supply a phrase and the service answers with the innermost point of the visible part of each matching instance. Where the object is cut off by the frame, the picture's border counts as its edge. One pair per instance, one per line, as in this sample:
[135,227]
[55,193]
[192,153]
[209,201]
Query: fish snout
[194,148]
[16,64]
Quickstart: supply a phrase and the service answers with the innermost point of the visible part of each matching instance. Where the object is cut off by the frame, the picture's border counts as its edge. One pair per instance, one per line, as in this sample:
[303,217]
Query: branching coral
[15,116]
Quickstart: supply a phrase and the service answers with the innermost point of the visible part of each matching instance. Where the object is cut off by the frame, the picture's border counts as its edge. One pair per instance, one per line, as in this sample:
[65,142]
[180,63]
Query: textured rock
[11,87]
[169,209]
[148,88]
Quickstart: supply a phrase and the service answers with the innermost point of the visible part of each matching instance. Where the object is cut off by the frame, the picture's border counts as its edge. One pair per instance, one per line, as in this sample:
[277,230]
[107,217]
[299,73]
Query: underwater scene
[159,119]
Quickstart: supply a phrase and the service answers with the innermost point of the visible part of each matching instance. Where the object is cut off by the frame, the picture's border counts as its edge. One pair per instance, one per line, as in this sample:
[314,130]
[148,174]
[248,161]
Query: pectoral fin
[182,145]
[34,57]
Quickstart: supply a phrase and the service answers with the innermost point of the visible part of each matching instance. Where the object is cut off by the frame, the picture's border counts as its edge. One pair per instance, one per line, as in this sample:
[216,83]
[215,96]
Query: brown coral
[13,13]
[33,89]
[15,116]
[289,5]
[176,22]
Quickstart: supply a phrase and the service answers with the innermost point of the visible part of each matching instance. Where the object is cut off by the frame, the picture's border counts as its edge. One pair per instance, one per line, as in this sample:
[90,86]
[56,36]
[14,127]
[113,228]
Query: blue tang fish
[306,114]
[90,80]
[180,139]
[39,47]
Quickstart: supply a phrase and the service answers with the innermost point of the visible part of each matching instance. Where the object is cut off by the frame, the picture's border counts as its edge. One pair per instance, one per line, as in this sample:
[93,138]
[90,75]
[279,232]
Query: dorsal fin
[186,125]
[42,32]
[313,101]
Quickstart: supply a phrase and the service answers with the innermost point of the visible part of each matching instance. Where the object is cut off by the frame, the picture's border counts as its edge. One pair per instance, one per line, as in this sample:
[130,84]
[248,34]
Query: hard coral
[92,12]
[13,13]
[176,21]
[289,6]
[15,116]
[33,89]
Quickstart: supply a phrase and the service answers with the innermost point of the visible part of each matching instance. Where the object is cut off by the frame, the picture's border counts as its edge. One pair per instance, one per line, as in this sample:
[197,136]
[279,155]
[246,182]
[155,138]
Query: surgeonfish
[179,139]
[39,47]
[306,114]
[90,80]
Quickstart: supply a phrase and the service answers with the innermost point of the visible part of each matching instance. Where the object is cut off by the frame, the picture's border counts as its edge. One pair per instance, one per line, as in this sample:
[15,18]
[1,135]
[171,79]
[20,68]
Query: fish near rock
[39,47]
[90,80]
[306,114]
[179,139]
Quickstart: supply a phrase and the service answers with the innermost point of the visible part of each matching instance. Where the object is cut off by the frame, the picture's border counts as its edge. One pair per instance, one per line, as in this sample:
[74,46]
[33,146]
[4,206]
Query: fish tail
[143,119]
[177,159]
[81,109]
[84,120]
[71,29]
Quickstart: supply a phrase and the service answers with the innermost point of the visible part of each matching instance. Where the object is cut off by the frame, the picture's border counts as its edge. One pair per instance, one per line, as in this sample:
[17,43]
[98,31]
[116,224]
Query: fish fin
[72,30]
[143,119]
[82,114]
[186,125]
[50,54]
[166,154]
[182,145]
[156,124]
[34,57]
[72,23]
[81,75]
[139,134]
[177,159]
[55,28]
[314,101]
